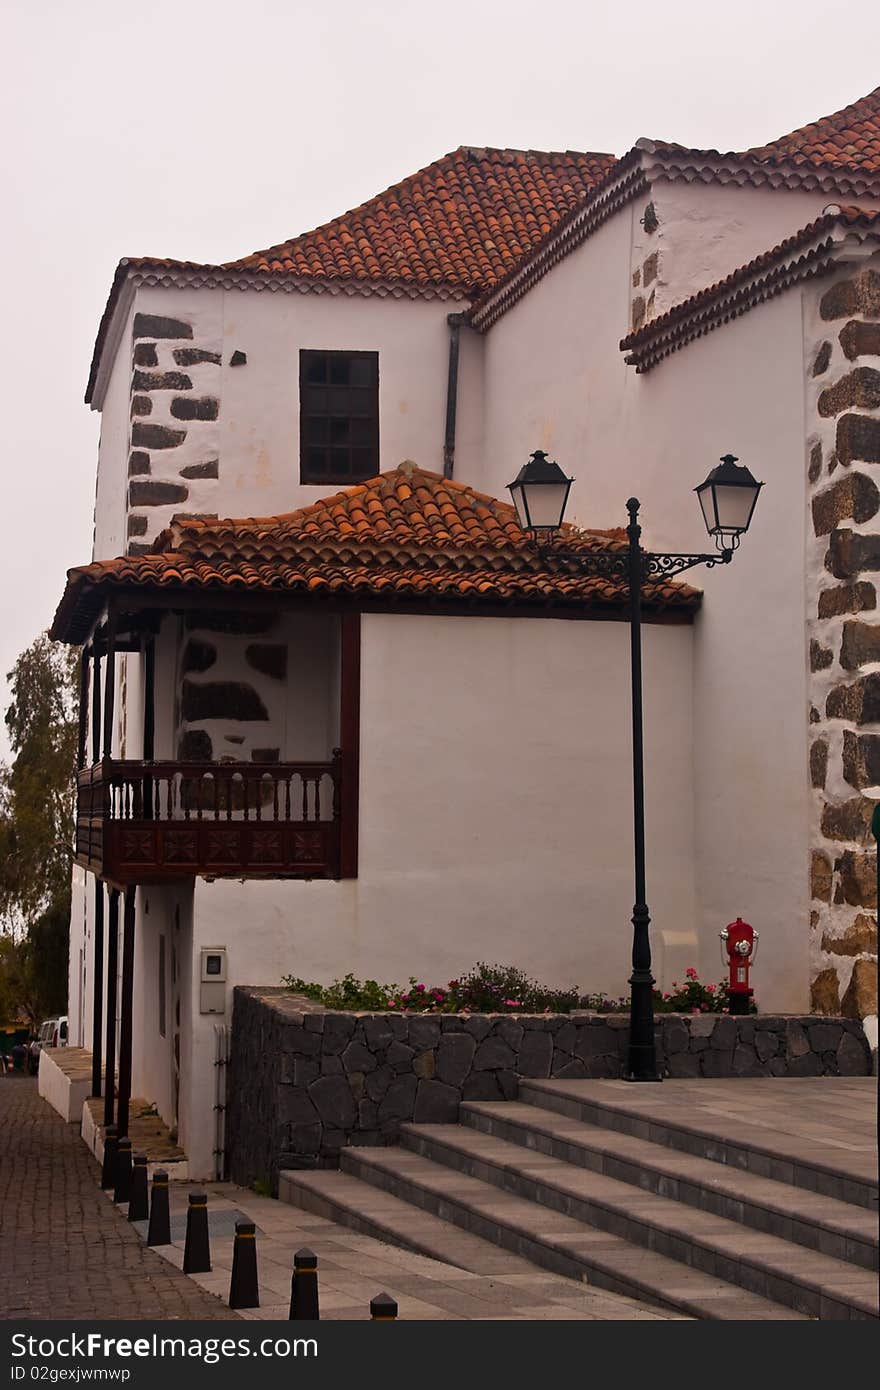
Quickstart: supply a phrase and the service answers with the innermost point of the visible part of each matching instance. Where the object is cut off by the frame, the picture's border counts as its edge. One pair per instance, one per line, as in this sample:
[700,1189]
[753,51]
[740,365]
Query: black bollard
[122,1189]
[196,1252]
[243,1290]
[108,1167]
[304,1286]
[159,1230]
[383,1308]
[138,1209]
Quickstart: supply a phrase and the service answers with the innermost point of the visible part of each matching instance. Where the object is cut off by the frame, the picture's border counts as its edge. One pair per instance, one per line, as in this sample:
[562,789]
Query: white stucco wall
[255,438]
[112,474]
[656,436]
[496,823]
[708,230]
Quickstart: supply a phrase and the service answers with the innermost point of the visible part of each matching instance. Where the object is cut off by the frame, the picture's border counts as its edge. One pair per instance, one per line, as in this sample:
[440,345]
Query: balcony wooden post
[112,968]
[96,702]
[98,988]
[126,1012]
[149,720]
[82,731]
[349,738]
[110,684]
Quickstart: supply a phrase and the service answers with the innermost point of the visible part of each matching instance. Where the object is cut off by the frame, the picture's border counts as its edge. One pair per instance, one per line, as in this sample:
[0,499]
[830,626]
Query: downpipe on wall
[455,322]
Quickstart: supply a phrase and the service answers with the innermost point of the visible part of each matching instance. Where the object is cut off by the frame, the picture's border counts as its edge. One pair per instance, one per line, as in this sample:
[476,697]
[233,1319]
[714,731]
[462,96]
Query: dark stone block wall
[843,558]
[303,1082]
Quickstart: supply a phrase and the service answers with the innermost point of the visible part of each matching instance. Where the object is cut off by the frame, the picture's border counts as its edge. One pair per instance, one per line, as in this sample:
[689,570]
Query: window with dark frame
[338,416]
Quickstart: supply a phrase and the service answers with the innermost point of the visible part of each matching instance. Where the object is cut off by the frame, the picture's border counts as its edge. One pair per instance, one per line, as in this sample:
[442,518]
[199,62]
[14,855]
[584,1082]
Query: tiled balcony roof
[404,537]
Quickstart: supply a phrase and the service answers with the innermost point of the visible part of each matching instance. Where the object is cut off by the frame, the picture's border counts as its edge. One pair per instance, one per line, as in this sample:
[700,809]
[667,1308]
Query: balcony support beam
[98,989]
[110,685]
[349,739]
[112,970]
[82,732]
[96,704]
[126,1012]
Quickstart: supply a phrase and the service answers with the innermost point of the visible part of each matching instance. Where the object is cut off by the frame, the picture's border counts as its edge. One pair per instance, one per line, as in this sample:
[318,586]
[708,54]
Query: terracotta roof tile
[462,221]
[850,139]
[406,534]
[805,254]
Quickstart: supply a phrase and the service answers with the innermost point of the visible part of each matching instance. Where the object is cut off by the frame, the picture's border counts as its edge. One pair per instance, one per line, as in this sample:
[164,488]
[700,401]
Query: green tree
[33,971]
[37,790]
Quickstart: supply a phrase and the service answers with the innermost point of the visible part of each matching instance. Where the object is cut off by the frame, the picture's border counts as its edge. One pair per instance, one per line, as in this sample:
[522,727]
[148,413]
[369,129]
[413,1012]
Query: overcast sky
[206,130]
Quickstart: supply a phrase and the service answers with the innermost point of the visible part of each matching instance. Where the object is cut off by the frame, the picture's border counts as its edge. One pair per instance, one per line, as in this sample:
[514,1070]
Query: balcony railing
[141,822]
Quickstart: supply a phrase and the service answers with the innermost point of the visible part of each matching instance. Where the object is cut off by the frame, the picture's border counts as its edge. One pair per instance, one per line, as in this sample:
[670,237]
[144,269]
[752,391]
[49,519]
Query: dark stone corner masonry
[304,1082]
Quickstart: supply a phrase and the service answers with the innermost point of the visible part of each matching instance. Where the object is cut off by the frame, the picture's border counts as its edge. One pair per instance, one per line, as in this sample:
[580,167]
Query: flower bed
[501,989]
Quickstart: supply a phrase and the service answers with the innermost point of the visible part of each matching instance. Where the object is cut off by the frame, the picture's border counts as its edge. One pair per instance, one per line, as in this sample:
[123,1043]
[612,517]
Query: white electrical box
[212,980]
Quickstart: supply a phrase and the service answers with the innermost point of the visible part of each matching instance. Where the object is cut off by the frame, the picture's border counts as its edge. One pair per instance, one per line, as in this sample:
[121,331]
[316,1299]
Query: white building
[636,318]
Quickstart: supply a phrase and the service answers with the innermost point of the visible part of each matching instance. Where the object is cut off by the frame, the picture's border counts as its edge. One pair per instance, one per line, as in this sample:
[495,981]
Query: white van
[53,1033]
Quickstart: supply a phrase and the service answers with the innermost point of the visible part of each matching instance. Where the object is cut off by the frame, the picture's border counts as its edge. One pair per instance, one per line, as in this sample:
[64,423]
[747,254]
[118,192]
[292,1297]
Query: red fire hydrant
[739,947]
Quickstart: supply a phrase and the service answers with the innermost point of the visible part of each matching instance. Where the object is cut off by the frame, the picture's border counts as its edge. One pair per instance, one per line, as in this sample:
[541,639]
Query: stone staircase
[689,1209]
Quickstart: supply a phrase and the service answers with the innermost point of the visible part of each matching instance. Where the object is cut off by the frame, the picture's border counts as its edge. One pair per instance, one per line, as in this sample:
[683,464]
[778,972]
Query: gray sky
[207,130]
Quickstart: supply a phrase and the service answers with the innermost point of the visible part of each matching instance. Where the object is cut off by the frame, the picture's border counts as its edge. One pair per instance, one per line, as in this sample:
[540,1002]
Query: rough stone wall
[842,326]
[645,267]
[304,1083]
[174,443]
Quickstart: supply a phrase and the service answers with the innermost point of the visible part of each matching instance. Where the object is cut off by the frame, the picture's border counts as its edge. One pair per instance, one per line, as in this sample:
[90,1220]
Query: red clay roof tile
[849,138]
[462,221]
[406,533]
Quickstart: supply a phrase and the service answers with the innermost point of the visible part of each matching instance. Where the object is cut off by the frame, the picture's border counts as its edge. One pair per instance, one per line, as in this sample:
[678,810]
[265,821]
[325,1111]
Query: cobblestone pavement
[65,1250]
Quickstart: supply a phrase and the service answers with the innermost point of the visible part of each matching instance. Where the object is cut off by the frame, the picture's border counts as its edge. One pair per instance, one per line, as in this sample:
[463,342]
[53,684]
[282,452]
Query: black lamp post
[727,497]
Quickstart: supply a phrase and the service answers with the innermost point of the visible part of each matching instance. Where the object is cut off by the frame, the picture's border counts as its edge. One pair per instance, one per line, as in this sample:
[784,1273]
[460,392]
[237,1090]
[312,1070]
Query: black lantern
[728,498]
[540,491]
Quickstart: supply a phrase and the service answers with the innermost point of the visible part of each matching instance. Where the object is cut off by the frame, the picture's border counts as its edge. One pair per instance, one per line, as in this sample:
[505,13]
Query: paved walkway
[353,1268]
[65,1250]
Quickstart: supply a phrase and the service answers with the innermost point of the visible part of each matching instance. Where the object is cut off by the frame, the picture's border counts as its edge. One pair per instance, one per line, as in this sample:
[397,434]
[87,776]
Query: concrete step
[549,1238]
[350,1202]
[824,1224]
[667,1115]
[814,1284]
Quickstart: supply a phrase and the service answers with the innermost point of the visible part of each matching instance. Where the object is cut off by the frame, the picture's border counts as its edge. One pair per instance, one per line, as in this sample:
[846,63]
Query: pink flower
[391,1003]
[691,973]
[513,1003]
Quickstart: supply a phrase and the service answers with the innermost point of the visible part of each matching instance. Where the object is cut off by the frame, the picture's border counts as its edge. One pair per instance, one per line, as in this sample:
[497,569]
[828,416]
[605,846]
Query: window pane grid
[339,416]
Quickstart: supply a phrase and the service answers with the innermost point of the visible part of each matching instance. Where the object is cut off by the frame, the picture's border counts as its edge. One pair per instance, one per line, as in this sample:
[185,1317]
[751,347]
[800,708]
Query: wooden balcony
[147,822]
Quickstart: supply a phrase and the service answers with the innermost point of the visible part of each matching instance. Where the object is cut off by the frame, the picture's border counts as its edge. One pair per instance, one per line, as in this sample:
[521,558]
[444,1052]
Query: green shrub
[499,989]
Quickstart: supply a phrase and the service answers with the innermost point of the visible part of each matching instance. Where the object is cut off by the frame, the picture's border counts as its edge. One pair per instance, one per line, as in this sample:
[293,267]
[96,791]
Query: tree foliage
[33,971]
[37,790]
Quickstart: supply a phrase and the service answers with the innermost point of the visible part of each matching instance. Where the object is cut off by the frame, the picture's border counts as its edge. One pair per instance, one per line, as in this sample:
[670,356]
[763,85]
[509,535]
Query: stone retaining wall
[303,1082]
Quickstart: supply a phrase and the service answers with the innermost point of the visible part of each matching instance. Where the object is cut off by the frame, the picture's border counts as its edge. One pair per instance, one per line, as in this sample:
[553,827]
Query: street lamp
[727,498]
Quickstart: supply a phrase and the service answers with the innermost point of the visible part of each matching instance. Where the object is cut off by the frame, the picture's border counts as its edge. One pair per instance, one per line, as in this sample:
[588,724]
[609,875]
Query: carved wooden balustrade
[143,822]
